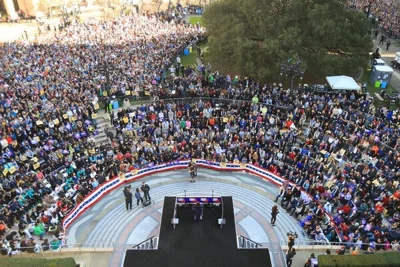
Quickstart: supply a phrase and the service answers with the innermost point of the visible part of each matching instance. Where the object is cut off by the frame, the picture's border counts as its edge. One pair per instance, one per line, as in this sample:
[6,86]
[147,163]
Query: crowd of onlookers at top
[48,103]
[387,13]
[338,148]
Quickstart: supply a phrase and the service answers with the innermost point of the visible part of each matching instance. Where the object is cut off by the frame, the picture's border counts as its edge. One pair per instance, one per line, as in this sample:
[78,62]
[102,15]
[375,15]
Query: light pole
[290,69]
[106,68]
[369,8]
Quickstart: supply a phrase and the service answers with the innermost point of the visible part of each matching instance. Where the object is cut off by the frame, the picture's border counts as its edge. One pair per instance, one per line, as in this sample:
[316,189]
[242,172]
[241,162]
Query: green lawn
[194,19]
[189,59]
[372,90]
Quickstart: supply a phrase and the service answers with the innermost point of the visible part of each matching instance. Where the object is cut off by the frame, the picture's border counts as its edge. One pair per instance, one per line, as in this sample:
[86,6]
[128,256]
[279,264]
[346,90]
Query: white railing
[147,244]
[108,245]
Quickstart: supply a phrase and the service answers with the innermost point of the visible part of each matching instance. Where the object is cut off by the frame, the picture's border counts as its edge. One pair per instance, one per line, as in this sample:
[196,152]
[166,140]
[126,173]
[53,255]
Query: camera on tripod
[294,234]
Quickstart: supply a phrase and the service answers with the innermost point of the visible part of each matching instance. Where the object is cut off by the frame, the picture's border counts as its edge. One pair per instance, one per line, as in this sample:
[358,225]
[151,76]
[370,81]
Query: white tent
[342,83]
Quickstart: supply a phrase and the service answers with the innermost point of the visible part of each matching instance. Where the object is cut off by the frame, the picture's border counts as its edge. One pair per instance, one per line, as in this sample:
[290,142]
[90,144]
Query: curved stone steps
[112,224]
[120,218]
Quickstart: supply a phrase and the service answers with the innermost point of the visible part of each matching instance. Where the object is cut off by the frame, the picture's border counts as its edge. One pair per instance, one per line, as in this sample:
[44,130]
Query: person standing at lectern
[274,213]
[128,197]
[198,212]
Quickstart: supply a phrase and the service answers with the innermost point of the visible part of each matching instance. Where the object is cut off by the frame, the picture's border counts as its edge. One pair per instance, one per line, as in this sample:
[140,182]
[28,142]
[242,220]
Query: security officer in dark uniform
[146,191]
[128,197]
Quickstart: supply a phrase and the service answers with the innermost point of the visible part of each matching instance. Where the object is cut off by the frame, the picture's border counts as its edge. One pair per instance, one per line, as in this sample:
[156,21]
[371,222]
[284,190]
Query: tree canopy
[254,37]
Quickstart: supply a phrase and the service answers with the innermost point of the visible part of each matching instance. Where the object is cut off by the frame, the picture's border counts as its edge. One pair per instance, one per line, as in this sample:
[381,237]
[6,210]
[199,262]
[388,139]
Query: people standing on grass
[274,213]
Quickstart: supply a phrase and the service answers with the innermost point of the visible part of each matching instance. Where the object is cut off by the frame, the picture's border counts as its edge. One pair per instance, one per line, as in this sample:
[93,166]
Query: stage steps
[246,243]
[149,244]
[102,124]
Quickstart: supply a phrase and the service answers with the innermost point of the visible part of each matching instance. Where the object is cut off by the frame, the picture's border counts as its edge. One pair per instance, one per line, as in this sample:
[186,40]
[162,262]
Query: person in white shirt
[4,142]
[161,116]
[54,220]
[93,174]
[328,207]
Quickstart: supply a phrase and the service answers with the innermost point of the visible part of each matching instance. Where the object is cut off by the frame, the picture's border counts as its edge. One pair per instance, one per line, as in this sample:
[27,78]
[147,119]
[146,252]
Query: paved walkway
[109,223]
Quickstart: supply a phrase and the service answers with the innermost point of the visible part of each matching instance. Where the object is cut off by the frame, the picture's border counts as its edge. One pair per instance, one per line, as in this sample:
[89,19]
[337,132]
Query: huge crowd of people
[387,13]
[340,152]
[48,101]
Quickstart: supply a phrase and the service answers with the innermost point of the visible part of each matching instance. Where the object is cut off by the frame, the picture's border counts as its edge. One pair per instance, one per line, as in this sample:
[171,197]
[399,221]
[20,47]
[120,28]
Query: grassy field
[194,19]
[189,59]
[373,90]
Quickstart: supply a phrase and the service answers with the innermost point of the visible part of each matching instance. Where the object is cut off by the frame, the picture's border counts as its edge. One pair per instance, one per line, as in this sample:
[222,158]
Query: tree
[254,37]
[108,7]
[47,6]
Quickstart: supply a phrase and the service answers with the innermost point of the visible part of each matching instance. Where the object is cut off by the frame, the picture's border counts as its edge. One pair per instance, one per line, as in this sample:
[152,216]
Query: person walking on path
[376,34]
[388,45]
[274,213]
[381,39]
[289,256]
[291,238]
[128,197]
[138,197]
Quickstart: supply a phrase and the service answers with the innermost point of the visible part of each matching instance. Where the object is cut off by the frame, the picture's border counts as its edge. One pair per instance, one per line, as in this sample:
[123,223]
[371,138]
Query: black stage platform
[198,244]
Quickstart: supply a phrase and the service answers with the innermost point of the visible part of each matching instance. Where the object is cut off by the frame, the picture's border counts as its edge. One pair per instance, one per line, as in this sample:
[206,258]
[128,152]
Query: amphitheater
[108,226]
[100,230]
